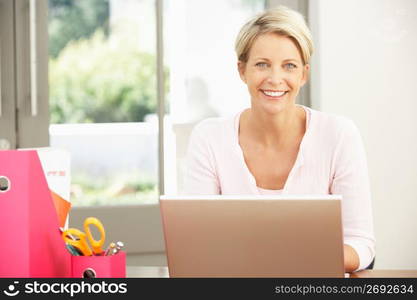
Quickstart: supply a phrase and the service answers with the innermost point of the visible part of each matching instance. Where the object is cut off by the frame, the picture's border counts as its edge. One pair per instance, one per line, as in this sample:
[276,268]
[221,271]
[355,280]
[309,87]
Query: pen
[109,249]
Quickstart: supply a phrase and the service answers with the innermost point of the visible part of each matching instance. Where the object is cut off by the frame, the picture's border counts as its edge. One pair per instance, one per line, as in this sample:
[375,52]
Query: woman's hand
[351,259]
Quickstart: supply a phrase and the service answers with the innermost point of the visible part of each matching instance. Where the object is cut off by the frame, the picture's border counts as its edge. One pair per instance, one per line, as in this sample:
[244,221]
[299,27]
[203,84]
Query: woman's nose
[276,76]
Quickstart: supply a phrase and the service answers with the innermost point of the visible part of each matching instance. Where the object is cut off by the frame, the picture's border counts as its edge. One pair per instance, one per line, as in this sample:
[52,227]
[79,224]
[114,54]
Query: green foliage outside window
[96,73]
[71,20]
[102,80]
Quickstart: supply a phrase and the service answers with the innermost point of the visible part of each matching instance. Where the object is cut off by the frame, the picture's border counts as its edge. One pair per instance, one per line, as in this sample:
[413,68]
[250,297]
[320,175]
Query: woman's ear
[241,68]
[306,73]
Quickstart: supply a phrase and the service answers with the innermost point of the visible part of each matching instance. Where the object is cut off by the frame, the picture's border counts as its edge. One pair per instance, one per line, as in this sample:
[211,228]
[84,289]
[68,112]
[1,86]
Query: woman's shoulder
[216,134]
[329,123]
[213,126]
[332,129]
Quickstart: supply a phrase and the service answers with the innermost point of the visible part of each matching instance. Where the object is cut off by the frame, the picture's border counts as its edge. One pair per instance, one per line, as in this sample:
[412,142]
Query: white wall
[365,68]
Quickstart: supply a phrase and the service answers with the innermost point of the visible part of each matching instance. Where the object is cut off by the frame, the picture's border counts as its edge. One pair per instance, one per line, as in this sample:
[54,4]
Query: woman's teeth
[274,94]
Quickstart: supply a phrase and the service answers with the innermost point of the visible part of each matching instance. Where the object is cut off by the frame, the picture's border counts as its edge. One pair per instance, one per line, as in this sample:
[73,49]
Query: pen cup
[111,266]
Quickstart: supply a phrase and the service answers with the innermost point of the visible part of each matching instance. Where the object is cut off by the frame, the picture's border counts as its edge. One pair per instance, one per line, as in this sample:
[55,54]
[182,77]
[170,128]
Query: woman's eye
[261,65]
[290,66]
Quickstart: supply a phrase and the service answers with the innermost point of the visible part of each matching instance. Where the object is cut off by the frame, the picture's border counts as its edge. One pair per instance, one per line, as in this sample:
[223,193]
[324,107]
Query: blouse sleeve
[200,173]
[351,180]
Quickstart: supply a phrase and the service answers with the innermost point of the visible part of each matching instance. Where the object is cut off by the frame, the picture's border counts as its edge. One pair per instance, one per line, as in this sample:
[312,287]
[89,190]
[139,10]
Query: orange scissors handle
[80,241]
[96,245]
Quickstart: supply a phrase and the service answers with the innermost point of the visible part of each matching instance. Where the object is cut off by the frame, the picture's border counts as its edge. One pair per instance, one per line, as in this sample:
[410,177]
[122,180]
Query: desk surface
[162,272]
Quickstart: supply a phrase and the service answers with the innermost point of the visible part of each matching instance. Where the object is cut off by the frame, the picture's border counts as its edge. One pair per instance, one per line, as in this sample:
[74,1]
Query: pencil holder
[111,266]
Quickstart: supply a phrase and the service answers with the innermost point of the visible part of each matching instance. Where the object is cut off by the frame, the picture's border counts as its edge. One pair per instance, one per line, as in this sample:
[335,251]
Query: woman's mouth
[274,94]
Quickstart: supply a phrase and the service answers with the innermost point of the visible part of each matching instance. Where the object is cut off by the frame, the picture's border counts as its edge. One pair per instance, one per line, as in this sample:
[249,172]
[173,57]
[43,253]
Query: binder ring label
[4,184]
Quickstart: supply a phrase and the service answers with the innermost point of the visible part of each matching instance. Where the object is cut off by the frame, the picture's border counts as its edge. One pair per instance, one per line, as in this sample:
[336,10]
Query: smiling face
[274,73]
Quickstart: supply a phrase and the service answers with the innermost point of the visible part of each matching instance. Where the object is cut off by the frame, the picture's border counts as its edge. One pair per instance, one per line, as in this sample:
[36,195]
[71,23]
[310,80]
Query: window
[102,79]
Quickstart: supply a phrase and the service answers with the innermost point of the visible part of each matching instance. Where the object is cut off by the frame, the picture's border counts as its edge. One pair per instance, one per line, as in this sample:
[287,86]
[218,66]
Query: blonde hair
[280,20]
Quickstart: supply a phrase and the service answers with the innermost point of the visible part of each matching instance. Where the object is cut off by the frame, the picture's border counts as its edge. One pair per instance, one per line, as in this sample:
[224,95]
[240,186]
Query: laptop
[253,236]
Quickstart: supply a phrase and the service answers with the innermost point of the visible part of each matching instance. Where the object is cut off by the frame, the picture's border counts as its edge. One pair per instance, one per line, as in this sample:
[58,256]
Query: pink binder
[31,243]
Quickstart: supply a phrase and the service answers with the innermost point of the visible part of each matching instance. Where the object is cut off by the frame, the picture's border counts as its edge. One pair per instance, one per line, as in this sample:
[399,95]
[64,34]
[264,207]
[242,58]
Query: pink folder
[31,243]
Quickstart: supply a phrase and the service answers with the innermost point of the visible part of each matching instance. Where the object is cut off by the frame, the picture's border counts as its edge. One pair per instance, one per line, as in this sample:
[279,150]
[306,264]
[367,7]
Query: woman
[278,147]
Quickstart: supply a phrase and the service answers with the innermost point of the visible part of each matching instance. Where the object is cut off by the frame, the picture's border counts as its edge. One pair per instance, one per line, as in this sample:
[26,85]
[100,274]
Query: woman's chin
[274,108]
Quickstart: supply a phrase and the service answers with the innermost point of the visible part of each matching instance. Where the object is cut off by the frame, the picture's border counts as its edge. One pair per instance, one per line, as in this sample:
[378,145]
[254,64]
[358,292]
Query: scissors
[78,239]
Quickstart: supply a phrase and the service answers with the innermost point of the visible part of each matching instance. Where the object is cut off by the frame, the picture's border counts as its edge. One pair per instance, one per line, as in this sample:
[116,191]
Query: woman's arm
[351,180]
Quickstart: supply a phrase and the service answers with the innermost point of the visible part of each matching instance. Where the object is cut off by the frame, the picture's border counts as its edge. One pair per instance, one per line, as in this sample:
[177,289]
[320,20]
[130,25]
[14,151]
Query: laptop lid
[253,236]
